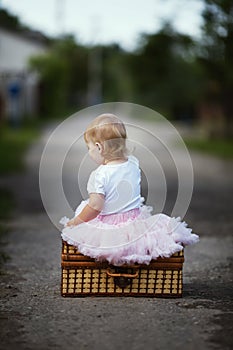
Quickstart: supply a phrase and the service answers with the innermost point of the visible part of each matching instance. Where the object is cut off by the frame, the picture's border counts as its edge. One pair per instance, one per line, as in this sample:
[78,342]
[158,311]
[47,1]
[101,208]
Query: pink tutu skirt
[135,236]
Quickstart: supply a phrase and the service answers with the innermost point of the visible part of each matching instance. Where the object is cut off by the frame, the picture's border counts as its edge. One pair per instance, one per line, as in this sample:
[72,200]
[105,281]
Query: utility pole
[59,16]
[94,94]
[95,76]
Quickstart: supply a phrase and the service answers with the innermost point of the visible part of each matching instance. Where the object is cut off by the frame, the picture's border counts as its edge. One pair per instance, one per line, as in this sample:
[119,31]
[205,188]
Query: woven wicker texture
[82,276]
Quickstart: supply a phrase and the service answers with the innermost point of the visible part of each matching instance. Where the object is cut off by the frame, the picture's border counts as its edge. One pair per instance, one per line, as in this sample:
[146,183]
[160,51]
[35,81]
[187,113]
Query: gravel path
[35,316]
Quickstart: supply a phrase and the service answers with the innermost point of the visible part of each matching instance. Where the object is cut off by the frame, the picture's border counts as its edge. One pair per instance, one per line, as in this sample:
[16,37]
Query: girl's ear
[99,146]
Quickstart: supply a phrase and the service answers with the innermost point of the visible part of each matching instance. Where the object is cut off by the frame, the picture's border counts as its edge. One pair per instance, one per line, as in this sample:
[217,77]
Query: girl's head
[106,135]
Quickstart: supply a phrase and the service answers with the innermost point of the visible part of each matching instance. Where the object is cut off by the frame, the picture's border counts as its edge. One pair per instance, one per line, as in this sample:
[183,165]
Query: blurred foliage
[63,72]
[161,74]
[6,205]
[13,143]
[216,57]
[166,75]
[221,148]
[11,22]
[169,72]
[117,80]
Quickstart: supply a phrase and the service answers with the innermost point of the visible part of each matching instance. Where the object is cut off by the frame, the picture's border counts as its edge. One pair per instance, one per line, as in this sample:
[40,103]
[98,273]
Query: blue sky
[106,21]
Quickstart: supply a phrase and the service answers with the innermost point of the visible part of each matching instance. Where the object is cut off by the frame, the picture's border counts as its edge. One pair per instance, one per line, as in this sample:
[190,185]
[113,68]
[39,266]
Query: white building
[18,84]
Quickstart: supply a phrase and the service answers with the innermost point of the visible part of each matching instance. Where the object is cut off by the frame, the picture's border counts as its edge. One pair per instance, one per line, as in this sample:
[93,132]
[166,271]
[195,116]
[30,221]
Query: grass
[13,144]
[6,204]
[220,148]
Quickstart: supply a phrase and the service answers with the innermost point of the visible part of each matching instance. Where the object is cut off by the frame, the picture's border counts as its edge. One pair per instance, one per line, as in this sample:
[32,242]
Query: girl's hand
[74,222]
[70,223]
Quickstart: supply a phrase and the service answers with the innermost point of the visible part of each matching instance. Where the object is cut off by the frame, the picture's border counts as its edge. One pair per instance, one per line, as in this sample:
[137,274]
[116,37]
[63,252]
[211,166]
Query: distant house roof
[16,48]
[29,34]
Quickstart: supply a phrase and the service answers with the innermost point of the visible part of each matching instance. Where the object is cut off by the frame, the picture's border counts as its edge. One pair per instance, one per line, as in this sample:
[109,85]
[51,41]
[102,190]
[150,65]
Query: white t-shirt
[119,183]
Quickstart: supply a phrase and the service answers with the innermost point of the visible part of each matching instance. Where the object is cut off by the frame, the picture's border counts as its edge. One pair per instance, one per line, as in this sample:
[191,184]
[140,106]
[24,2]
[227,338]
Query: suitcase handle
[128,275]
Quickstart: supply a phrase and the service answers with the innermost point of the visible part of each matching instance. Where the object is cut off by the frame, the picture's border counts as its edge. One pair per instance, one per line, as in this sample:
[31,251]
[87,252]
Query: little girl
[113,224]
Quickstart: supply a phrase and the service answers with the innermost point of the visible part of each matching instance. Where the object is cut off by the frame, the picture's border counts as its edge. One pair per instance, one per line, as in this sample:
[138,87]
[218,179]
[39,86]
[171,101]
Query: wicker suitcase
[83,276]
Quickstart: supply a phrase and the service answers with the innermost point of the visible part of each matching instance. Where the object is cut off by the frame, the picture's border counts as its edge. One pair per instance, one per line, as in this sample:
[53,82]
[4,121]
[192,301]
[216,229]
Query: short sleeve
[96,183]
[133,160]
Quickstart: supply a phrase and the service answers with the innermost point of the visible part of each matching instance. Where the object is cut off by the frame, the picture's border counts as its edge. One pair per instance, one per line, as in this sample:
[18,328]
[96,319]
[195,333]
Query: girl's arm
[90,211]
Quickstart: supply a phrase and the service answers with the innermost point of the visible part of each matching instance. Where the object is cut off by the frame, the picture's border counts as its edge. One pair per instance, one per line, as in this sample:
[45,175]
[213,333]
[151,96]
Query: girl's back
[119,183]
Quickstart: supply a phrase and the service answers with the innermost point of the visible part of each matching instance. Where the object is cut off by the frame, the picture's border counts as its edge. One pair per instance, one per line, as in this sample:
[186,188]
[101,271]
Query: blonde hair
[110,132]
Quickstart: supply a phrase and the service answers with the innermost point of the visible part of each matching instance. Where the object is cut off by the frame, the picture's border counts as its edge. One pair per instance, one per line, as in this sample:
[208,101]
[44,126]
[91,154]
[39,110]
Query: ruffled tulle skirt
[135,236]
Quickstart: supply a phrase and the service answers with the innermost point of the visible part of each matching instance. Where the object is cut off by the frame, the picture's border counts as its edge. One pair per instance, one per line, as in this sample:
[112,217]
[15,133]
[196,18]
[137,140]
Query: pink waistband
[117,218]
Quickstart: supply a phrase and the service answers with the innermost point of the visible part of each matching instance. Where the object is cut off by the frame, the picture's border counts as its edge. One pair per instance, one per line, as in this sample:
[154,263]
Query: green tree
[10,21]
[63,73]
[117,82]
[216,57]
[166,74]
